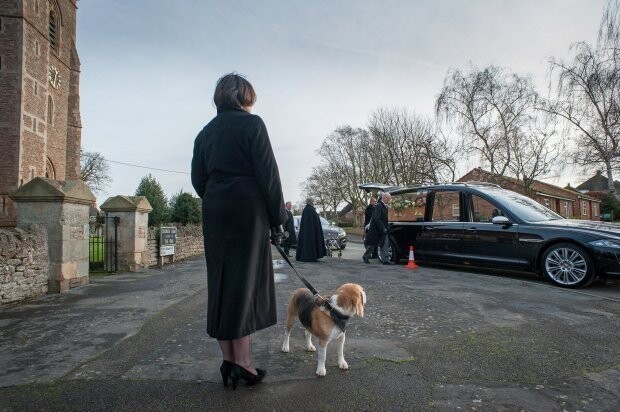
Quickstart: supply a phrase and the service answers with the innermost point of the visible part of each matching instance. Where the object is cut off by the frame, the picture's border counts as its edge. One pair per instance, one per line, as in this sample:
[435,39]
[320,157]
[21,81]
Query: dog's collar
[338,317]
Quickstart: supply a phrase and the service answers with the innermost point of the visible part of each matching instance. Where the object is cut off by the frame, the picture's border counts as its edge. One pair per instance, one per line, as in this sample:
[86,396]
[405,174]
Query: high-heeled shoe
[225,371]
[237,372]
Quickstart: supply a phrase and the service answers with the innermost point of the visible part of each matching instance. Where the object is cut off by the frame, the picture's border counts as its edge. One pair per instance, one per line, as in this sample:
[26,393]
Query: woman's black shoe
[225,371]
[237,372]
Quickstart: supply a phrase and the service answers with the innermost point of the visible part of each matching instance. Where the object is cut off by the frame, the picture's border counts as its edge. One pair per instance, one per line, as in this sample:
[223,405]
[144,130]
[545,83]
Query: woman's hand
[276,235]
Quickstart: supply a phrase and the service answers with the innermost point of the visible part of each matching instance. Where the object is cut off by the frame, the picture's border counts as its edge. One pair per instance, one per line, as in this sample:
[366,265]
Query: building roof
[537,187]
[597,183]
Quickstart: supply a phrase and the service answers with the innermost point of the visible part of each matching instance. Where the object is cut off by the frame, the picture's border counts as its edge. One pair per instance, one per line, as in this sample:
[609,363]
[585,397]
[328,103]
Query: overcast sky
[149,68]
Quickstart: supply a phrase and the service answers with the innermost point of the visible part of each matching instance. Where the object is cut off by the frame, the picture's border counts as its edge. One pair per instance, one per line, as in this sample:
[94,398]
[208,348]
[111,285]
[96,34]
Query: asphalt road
[432,339]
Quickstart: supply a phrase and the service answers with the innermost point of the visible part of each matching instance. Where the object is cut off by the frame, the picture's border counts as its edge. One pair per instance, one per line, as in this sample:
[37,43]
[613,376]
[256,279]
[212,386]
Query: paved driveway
[432,339]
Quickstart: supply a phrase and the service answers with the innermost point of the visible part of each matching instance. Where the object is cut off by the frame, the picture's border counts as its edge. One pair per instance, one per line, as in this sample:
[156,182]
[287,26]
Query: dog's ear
[359,309]
[359,306]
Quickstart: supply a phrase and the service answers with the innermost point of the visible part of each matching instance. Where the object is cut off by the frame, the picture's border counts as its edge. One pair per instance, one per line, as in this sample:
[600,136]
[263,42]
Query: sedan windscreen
[525,208]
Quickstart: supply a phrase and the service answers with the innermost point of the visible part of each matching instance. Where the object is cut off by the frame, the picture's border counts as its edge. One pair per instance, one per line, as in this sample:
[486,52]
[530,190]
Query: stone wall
[189,244]
[23,263]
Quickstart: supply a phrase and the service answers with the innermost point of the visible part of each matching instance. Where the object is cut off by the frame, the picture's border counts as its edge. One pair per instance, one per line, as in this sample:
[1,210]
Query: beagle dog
[325,319]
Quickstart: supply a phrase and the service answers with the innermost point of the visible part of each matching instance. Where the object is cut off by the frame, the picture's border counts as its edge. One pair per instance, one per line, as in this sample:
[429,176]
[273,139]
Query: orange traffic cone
[411,264]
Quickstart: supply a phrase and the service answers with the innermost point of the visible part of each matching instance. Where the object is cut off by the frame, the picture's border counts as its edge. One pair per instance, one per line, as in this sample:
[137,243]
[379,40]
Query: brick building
[40,126]
[567,202]
[597,185]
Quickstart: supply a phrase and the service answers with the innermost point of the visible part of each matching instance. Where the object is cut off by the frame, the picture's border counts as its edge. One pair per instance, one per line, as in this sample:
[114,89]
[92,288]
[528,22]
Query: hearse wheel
[568,266]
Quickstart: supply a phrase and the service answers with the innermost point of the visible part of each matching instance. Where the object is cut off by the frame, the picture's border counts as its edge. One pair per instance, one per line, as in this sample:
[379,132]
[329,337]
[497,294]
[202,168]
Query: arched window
[50,110]
[49,169]
[54,24]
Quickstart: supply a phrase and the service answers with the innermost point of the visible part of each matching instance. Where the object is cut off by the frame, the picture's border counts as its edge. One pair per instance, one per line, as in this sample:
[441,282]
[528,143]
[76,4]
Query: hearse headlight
[606,243]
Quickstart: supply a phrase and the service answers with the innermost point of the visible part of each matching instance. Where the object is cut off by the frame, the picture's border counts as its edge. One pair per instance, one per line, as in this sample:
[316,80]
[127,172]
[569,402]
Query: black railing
[103,246]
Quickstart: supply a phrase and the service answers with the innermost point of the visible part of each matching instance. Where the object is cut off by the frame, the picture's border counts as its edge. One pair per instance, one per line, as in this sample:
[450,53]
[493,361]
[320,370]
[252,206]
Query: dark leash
[337,317]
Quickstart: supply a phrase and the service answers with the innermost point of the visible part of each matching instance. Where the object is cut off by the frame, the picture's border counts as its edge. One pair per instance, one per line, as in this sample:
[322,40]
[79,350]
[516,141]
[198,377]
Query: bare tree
[345,153]
[492,107]
[400,149]
[609,30]
[536,150]
[587,98]
[324,187]
[94,170]
[407,150]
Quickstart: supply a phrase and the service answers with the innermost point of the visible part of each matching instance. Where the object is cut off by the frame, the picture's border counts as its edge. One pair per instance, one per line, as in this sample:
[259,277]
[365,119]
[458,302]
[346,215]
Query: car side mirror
[501,220]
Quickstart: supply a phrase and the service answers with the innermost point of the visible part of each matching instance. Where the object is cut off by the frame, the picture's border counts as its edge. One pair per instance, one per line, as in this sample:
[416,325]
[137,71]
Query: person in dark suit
[367,216]
[235,173]
[310,242]
[289,238]
[378,232]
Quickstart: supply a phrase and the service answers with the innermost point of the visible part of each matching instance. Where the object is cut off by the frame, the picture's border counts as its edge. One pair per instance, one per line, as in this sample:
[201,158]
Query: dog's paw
[311,348]
[285,348]
[343,365]
[321,371]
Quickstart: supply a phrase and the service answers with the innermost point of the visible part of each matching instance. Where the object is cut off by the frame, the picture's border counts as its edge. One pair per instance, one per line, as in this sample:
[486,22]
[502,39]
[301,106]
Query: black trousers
[370,250]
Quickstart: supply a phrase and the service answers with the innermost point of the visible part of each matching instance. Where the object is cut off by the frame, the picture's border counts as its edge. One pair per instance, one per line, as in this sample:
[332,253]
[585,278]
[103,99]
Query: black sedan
[483,225]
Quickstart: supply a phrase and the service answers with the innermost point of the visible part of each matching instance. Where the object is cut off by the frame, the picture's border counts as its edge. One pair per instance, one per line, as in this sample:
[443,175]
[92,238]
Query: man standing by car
[367,216]
[378,231]
[289,238]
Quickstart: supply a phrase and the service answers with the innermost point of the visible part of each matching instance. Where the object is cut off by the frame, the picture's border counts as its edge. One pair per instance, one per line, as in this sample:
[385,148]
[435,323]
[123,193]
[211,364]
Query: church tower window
[54,25]
[50,110]
[49,169]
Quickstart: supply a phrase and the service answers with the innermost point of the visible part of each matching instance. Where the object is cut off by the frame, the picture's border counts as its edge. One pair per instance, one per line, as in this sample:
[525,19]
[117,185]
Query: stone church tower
[40,125]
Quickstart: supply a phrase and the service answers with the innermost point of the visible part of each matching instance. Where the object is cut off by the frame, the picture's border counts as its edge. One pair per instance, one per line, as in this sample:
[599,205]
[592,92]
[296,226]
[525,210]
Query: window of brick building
[594,209]
[584,208]
[36,6]
[36,88]
[50,110]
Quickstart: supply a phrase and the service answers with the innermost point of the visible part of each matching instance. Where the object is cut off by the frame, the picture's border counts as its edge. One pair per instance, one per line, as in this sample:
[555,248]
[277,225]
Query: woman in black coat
[235,173]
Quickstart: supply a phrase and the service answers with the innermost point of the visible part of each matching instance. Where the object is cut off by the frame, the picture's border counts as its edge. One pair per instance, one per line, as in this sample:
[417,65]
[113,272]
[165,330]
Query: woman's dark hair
[233,90]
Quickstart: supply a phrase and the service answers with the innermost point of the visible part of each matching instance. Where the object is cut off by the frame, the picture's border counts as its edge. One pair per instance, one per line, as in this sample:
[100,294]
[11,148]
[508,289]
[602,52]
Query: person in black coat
[378,232]
[367,216]
[310,242]
[289,238]
[235,173]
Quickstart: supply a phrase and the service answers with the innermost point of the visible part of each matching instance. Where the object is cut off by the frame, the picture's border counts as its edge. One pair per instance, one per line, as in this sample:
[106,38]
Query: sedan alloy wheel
[567,265]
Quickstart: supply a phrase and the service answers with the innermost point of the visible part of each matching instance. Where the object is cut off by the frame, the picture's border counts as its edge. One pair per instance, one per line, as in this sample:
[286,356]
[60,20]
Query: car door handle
[429,228]
[472,230]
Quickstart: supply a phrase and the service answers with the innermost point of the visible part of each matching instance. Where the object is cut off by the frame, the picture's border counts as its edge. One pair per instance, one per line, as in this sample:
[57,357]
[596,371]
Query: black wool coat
[378,225]
[235,173]
[310,242]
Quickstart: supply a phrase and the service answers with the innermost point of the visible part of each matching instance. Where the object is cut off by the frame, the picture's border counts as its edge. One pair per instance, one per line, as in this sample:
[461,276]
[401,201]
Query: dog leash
[303,279]
[338,317]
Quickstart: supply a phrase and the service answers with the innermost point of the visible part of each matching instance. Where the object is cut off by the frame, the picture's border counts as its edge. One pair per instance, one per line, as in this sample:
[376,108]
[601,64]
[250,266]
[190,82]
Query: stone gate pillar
[63,208]
[132,242]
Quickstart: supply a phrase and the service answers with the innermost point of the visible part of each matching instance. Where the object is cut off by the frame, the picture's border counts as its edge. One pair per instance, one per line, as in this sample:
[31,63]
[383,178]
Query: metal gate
[103,248]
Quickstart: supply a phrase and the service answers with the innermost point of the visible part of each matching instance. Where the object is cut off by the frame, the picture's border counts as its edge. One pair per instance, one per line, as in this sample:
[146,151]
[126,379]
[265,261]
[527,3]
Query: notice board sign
[167,240]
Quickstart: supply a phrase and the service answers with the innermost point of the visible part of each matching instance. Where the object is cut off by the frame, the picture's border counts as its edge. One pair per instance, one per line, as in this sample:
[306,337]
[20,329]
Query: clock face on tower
[54,77]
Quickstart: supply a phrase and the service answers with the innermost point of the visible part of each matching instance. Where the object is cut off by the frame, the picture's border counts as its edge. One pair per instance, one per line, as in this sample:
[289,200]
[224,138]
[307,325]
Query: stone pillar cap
[122,203]
[41,189]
